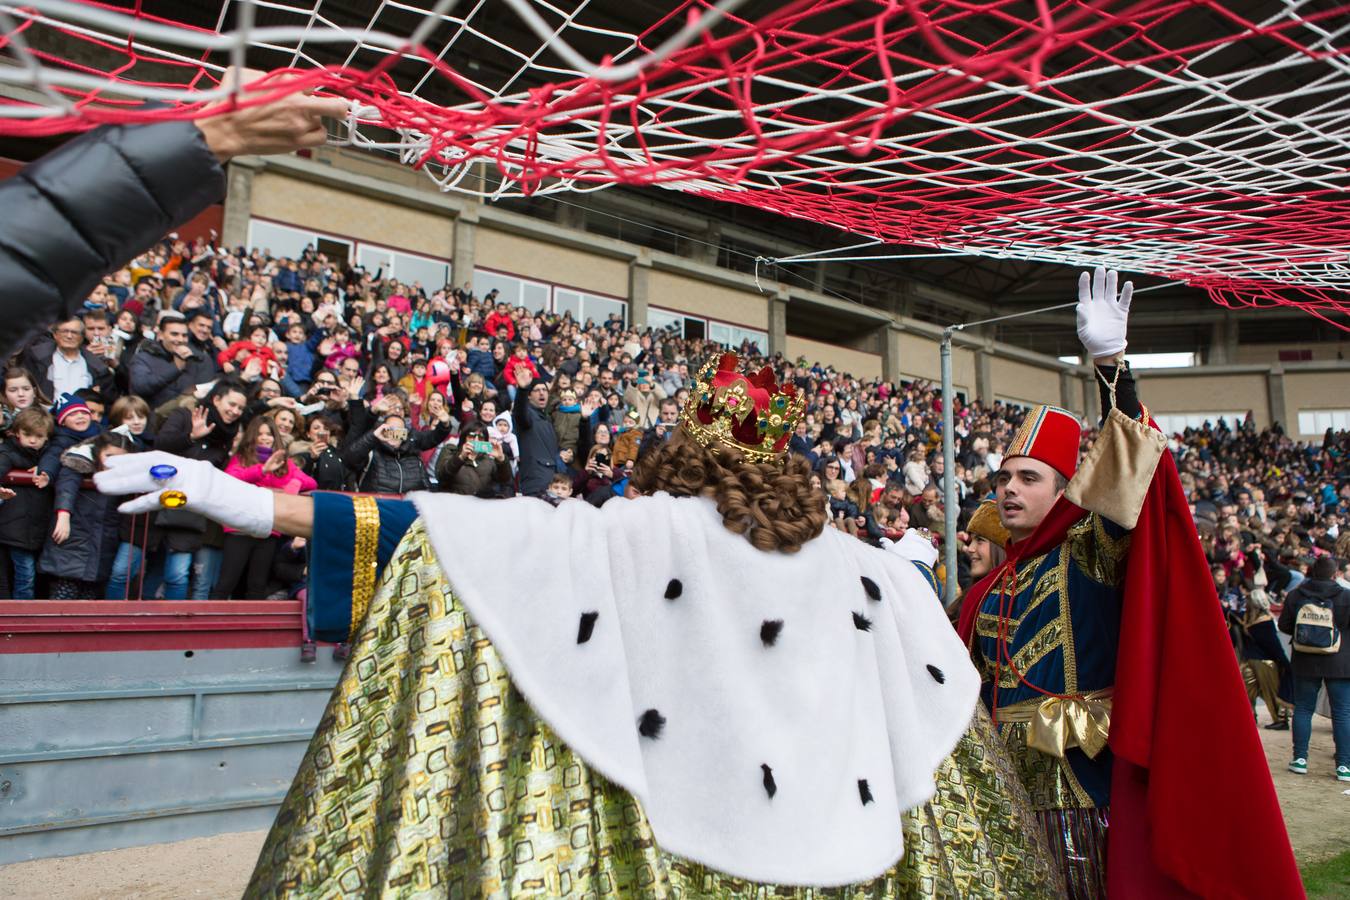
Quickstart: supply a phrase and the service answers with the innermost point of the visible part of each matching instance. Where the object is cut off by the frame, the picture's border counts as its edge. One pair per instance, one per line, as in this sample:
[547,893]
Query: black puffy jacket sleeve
[87,208]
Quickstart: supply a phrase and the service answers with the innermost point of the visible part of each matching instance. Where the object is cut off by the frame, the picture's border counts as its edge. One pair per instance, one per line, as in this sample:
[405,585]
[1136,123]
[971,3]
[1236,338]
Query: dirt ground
[1316,809]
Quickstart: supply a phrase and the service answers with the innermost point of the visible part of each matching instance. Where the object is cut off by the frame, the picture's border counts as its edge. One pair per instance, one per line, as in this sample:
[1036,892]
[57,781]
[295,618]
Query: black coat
[184,531]
[26,520]
[538,446]
[380,470]
[88,552]
[87,207]
[327,469]
[1326,592]
[37,358]
[156,378]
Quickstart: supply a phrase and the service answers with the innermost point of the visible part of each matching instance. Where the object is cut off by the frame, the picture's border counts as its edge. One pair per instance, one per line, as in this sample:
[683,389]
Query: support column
[890,353]
[1069,391]
[462,259]
[639,287]
[1092,400]
[1223,341]
[709,246]
[238,201]
[569,216]
[778,321]
[984,380]
[1279,411]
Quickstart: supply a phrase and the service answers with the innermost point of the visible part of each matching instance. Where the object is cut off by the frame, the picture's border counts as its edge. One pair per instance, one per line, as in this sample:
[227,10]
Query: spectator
[74,423]
[1314,670]
[385,459]
[63,365]
[26,517]
[538,440]
[260,460]
[477,467]
[163,369]
[79,552]
[21,390]
[204,431]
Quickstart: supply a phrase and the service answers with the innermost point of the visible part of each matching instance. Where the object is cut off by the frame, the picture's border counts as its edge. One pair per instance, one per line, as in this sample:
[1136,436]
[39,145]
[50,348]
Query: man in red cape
[1192,808]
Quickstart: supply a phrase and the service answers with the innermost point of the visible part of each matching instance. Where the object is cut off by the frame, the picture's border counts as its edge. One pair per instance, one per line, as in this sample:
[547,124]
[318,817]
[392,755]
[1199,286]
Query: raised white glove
[210,492]
[1101,317]
[915,546]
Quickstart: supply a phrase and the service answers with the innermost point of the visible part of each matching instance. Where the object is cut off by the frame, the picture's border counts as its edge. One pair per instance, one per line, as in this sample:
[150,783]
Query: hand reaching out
[1102,318]
[201,426]
[284,125]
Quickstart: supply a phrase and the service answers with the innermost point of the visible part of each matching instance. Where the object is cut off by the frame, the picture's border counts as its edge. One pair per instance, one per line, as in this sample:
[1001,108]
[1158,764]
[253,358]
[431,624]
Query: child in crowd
[74,423]
[844,513]
[133,415]
[559,489]
[260,460]
[24,517]
[84,537]
[566,417]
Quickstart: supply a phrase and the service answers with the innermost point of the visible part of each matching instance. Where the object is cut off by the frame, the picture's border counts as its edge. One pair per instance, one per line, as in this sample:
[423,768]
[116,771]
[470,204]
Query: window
[1317,421]
[532,295]
[1175,423]
[734,335]
[584,306]
[660,320]
[432,274]
[286,241]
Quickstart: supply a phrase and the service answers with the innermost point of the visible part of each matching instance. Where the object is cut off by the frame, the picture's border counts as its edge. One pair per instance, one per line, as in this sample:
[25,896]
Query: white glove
[1101,317]
[210,492]
[915,546]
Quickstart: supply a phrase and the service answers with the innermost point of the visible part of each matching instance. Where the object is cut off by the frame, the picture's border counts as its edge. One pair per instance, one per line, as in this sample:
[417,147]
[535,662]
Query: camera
[602,459]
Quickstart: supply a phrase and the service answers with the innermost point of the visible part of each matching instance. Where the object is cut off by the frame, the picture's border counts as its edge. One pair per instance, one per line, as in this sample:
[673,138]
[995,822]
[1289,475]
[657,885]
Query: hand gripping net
[1198,140]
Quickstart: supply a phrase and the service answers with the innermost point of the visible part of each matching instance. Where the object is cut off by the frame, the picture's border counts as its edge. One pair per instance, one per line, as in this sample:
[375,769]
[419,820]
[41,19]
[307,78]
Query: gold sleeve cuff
[364,558]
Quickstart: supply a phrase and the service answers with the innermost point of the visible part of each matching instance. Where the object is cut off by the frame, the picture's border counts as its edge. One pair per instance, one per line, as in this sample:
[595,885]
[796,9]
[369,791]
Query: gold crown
[750,413]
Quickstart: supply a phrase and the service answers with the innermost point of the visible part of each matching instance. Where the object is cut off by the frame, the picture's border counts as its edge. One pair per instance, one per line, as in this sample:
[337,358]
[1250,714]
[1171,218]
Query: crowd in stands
[304,374]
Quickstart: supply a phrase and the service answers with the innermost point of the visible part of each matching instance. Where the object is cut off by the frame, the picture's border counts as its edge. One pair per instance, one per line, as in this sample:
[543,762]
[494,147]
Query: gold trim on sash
[364,558]
[1058,723]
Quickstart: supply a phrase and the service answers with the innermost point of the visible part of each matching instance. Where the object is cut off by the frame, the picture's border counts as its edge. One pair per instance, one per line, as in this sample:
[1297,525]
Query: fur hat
[985,522]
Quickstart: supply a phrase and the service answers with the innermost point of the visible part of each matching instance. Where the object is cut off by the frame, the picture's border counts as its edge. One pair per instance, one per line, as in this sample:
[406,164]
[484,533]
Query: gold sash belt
[1057,724]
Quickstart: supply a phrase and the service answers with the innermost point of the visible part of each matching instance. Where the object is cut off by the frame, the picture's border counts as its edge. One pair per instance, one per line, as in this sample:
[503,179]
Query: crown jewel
[752,413]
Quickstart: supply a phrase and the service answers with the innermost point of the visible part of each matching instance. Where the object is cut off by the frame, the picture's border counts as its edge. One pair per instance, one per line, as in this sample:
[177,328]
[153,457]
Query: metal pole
[948,468]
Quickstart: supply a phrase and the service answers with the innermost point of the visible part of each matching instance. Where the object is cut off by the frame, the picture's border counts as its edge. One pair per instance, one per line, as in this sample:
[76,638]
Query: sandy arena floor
[1316,808]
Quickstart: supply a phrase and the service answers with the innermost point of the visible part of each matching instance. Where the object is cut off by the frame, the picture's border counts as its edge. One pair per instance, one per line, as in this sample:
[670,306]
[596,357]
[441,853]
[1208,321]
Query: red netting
[1198,141]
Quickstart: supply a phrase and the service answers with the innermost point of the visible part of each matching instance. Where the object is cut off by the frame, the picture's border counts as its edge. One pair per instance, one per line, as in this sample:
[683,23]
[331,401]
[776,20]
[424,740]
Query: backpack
[1315,629]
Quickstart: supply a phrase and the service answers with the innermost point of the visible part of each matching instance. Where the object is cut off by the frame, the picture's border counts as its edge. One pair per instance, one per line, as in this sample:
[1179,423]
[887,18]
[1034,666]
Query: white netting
[1178,138]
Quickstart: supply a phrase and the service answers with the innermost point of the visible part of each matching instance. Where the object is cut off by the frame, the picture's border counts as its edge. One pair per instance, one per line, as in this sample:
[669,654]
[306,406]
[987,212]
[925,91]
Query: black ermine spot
[586,627]
[770,787]
[650,724]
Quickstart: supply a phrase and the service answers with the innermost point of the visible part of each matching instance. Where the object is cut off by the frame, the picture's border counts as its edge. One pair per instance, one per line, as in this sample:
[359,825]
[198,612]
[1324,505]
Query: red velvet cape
[1193,809]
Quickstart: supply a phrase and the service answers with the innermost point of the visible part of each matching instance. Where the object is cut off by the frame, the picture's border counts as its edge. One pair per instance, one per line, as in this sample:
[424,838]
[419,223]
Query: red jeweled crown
[752,413]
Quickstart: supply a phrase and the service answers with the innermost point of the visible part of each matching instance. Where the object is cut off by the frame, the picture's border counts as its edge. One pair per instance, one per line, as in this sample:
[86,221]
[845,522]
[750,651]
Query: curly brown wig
[773,506]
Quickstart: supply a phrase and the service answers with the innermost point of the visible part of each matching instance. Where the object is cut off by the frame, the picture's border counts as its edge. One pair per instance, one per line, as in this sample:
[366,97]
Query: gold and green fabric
[430,775]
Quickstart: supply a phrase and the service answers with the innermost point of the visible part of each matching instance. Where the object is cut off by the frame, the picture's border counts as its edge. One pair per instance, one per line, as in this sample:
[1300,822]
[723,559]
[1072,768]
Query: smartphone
[484,447]
[397,434]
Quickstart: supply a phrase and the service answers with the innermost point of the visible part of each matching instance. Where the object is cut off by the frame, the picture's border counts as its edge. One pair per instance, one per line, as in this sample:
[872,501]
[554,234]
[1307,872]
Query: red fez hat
[1051,435]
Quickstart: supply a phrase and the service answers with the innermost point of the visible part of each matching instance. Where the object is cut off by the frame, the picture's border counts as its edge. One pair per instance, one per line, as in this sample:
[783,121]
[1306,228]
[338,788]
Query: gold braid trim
[364,561]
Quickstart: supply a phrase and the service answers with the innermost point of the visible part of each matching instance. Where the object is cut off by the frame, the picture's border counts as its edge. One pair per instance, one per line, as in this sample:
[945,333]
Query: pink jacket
[292,481]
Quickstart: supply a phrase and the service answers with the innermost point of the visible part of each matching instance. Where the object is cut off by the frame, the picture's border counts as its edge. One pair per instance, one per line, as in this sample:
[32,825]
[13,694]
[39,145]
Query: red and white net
[1199,140]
